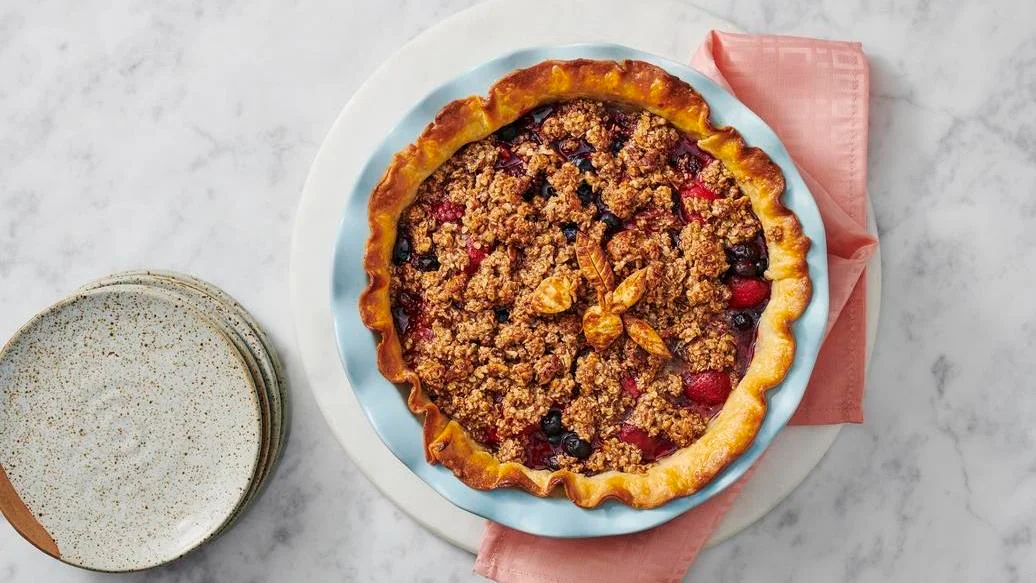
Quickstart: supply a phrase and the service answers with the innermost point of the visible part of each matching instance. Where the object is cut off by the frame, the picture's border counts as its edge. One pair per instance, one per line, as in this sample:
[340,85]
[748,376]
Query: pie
[584,283]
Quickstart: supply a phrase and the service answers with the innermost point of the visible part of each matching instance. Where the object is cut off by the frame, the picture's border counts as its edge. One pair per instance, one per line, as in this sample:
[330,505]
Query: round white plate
[246,335]
[130,428]
[665,27]
[266,370]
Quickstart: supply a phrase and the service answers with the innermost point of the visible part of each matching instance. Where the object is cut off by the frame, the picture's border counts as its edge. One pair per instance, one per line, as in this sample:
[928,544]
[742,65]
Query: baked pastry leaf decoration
[629,291]
[601,327]
[554,295]
[594,266]
[645,336]
[604,322]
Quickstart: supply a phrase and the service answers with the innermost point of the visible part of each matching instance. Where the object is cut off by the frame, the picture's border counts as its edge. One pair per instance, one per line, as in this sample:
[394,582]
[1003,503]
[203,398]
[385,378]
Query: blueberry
[749,252]
[541,113]
[402,318]
[428,263]
[741,320]
[547,191]
[745,268]
[585,193]
[569,230]
[401,251]
[502,314]
[555,440]
[761,265]
[552,463]
[551,422]
[529,192]
[507,133]
[584,164]
[617,145]
[575,447]
[611,222]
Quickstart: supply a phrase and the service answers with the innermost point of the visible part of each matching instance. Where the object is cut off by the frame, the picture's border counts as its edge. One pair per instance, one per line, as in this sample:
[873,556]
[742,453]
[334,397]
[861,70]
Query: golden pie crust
[650,88]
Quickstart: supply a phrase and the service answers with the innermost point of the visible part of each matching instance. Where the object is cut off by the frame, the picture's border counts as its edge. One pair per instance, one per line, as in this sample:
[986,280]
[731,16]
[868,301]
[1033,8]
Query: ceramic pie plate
[439,53]
[401,430]
[130,428]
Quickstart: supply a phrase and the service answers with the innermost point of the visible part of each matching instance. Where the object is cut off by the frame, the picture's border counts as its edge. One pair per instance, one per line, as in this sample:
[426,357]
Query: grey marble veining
[178,134]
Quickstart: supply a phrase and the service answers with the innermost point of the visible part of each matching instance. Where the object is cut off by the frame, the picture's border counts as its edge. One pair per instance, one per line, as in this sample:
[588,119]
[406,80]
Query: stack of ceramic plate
[138,419]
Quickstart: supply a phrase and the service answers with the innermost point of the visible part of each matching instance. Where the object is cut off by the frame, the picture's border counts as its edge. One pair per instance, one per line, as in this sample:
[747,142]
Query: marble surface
[178,135]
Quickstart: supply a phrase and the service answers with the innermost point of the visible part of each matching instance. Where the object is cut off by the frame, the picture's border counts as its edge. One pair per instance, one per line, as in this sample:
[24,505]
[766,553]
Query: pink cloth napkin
[813,93]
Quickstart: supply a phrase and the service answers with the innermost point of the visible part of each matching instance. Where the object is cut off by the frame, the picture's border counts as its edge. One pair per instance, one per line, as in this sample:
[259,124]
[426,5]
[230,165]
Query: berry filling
[651,447]
[550,439]
[401,250]
[534,353]
[509,162]
[574,153]
[629,384]
[410,316]
[427,262]
[688,158]
[709,388]
[747,292]
[476,253]
[447,211]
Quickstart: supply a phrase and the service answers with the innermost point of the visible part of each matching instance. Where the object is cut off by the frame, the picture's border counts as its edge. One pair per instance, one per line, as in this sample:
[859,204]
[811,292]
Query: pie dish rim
[652,88]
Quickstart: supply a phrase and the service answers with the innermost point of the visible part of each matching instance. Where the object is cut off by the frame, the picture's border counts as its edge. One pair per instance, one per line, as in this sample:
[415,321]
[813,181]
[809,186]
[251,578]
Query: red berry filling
[509,162]
[629,384]
[747,292]
[492,437]
[652,448]
[476,253]
[581,150]
[688,158]
[448,211]
[411,317]
[538,452]
[698,190]
[710,388]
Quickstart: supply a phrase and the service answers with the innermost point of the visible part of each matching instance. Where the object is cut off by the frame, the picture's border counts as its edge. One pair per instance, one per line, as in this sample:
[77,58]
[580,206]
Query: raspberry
[475,257]
[698,190]
[652,447]
[746,292]
[710,388]
[629,384]
[448,212]
[695,190]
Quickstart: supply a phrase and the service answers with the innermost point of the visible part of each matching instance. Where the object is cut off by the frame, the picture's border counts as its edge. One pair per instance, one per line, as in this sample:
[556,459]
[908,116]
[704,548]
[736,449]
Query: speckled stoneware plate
[248,343]
[130,428]
[386,407]
[246,334]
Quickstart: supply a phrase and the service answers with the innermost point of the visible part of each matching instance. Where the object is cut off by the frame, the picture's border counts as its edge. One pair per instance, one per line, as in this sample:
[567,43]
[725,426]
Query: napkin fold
[814,94]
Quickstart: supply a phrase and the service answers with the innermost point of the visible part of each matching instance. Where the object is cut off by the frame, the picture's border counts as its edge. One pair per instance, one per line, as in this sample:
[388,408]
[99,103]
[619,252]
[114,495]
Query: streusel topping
[581,289]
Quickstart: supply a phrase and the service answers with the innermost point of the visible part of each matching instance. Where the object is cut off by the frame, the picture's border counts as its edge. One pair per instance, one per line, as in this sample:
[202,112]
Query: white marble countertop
[178,135]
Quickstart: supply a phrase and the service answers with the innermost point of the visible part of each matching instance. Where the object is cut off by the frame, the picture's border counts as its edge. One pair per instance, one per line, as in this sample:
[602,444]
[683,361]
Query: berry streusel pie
[584,283]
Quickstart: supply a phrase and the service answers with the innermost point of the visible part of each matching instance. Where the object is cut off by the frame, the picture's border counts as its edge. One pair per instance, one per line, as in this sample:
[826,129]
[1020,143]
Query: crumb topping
[564,288]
